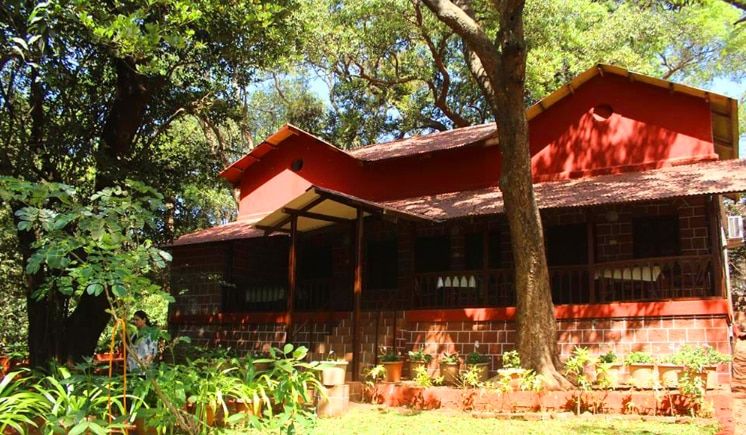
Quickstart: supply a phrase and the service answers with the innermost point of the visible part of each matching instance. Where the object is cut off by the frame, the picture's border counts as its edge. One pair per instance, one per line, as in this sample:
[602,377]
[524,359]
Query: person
[144,342]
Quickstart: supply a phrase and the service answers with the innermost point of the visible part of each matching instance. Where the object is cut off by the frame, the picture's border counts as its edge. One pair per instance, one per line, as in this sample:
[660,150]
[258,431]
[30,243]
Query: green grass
[362,419]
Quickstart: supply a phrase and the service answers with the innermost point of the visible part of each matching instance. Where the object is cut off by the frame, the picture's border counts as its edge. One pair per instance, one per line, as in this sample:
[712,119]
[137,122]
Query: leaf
[166,255]
[94,289]
[20,42]
[287,348]
[119,290]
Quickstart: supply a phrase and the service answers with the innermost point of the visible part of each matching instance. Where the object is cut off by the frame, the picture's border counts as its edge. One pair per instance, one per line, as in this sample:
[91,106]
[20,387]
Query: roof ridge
[370,145]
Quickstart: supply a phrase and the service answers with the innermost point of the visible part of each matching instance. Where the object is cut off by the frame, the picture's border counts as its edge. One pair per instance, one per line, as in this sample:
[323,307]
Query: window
[314,261]
[474,250]
[382,265]
[655,237]
[567,244]
[432,254]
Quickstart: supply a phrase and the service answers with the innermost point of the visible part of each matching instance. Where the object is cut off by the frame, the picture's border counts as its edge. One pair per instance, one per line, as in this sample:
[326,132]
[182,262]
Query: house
[404,243]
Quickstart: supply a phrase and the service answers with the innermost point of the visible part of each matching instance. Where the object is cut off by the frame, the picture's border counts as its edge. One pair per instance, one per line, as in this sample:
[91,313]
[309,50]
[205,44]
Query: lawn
[366,419]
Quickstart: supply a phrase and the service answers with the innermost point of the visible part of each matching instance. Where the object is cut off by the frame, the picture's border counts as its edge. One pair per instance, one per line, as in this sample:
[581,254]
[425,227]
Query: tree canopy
[167,92]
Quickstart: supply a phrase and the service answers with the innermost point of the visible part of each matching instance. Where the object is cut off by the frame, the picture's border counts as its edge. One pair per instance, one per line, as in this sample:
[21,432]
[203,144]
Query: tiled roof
[230,231]
[725,176]
[424,144]
[718,177]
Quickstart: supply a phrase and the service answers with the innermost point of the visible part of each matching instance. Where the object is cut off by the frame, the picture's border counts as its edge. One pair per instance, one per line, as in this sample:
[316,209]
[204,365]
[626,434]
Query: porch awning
[707,178]
[318,207]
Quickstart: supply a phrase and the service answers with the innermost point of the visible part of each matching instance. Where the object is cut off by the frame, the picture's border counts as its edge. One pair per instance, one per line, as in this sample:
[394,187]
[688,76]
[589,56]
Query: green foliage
[13,321]
[394,70]
[471,377]
[419,355]
[608,357]
[511,360]
[78,401]
[449,358]
[19,404]
[697,358]
[575,367]
[97,247]
[638,358]
[388,356]
[376,374]
[476,358]
[422,377]
[530,381]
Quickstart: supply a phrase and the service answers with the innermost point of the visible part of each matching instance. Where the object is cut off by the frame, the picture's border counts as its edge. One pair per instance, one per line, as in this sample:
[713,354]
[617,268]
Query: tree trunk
[499,68]
[53,335]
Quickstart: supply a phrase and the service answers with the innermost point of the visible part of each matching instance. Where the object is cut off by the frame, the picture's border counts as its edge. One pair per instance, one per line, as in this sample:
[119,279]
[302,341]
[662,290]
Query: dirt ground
[739,413]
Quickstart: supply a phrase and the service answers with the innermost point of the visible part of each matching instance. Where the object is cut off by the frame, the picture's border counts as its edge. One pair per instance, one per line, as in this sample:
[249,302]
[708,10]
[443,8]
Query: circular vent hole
[297,165]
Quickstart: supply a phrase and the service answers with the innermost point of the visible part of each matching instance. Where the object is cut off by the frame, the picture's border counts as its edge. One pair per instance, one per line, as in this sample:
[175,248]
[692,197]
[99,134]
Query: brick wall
[657,335]
[196,274]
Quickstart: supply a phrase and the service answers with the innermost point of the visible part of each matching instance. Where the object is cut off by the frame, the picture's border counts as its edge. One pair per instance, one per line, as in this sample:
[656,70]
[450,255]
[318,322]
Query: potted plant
[481,364]
[641,369]
[418,358]
[669,371]
[511,369]
[609,370]
[333,370]
[449,368]
[393,365]
[699,362]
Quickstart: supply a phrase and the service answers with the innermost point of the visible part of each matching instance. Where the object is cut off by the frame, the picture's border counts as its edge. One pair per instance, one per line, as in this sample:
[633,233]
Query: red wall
[649,127]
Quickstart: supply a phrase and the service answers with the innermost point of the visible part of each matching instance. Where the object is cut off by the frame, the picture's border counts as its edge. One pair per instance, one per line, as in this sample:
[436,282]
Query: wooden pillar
[485,284]
[292,261]
[716,246]
[357,290]
[591,236]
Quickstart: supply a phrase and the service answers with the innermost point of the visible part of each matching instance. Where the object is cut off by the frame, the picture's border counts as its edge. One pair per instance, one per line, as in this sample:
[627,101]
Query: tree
[90,93]
[394,70]
[499,66]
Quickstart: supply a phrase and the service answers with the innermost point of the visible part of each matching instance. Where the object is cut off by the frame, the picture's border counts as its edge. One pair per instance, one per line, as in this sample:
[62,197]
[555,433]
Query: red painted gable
[610,124]
[646,126]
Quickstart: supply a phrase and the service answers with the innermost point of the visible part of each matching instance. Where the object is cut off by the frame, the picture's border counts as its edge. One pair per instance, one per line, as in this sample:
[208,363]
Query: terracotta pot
[712,377]
[483,368]
[333,372]
[642,375]
[449,373]
[4,365]
[393,370]
[613,375]
[515,376]
[142,428]
[668,375]
[413,366]
[262,366]
[250,408]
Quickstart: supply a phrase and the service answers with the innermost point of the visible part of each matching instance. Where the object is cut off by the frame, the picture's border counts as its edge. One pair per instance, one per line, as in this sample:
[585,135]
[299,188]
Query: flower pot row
[650,375]
[449,371]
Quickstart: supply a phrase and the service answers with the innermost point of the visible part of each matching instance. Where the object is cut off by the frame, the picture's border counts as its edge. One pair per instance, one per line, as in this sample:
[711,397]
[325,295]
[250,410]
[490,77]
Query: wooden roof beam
[316,216]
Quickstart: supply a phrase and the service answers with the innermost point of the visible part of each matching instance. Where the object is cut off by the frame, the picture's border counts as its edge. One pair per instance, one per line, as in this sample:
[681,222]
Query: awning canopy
[318,207]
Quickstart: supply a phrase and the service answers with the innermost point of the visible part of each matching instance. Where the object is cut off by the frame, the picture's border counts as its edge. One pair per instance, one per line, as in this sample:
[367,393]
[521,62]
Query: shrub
[449,358]
[476,358]
[420,356]
[511,360]
[638,358]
